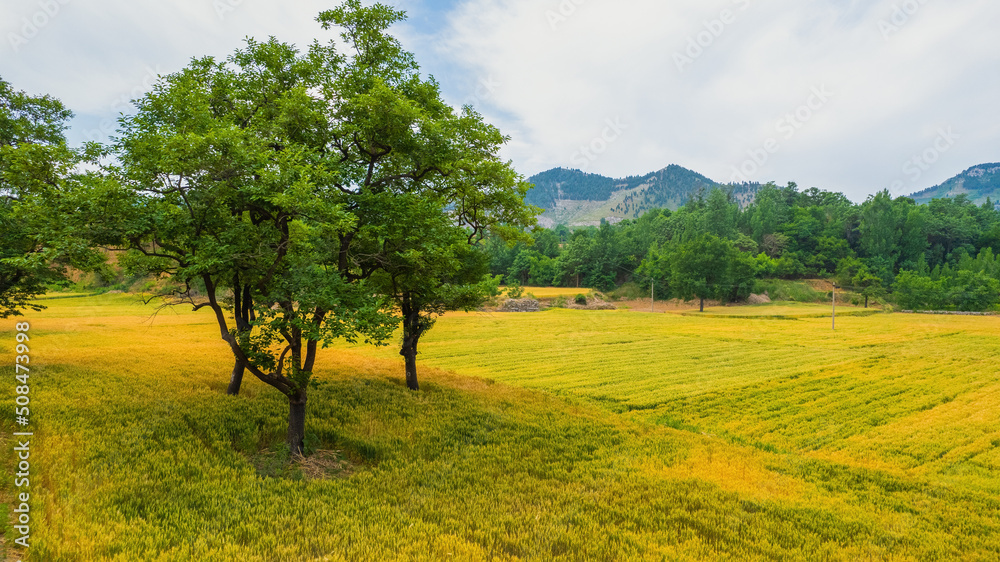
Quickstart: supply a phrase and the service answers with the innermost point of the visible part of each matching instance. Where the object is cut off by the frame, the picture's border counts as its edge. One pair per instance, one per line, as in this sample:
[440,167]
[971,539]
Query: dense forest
[940,256]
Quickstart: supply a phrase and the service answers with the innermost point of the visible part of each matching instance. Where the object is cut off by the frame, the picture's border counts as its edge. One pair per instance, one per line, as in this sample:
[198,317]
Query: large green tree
[35,162]
[225,185]
[266,187]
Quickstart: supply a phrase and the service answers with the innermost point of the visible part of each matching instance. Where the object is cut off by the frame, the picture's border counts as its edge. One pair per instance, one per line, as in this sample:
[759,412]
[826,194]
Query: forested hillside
[579,199]
[978,183]
[938,256]
[564,183]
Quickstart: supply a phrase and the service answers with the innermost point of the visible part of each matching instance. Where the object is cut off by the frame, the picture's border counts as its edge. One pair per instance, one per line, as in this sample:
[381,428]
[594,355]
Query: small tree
[430,269]
[869,284]
[432,260]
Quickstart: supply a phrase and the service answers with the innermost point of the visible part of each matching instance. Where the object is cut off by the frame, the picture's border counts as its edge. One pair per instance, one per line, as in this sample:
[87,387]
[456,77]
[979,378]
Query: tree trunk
[243,315]
[866,301]
[296,424]
[410,357]
[702,307]
[412,329]
[236,379]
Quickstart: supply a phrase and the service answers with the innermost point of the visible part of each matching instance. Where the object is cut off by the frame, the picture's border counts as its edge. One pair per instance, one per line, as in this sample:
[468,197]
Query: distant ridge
[977,183]
[576,198]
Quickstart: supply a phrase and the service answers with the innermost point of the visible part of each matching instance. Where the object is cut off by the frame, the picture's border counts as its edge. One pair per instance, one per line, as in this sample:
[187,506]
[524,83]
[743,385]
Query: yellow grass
[565,434]
[553,292]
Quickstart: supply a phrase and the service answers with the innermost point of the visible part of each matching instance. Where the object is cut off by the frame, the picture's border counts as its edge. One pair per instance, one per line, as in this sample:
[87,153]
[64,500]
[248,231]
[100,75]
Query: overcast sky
[845,95]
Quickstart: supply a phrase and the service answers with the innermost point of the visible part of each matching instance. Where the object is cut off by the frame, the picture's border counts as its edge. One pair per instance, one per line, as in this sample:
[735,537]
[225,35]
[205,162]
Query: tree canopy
[269,188]
[34,160]
[788,233]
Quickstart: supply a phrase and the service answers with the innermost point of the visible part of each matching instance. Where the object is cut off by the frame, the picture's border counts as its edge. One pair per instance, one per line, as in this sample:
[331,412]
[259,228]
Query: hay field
[565,434]
[553,292]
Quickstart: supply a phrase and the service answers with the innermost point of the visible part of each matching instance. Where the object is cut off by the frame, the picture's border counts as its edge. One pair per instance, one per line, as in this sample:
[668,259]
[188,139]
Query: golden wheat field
[552,292]
[753,433]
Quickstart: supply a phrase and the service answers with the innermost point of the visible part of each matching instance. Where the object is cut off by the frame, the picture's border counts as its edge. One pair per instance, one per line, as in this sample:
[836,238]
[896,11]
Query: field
[552,292]
[743,433]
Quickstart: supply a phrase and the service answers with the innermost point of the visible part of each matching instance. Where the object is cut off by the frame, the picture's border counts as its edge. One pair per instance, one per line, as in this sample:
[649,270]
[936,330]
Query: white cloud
[95,55]
[551,73]
[604,59]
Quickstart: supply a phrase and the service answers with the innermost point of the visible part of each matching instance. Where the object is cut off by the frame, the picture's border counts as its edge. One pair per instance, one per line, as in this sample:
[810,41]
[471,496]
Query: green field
[743,433]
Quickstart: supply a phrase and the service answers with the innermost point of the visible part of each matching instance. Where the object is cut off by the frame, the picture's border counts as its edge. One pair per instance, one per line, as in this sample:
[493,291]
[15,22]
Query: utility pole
[835,307]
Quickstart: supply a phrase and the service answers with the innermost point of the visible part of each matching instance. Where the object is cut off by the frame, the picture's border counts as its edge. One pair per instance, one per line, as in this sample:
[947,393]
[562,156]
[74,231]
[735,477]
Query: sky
[845,95]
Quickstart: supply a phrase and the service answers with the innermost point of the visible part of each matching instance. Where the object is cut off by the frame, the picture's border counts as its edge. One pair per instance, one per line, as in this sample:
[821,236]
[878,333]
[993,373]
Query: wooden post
[835,307]
[652,296]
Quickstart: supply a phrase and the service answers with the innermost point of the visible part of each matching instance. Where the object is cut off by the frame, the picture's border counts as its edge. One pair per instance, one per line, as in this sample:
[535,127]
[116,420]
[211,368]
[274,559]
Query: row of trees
[784,233]
[299,197]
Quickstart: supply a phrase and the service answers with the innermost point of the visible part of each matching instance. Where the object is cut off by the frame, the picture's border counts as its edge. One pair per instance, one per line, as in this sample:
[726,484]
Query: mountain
[978,183]
[576,198]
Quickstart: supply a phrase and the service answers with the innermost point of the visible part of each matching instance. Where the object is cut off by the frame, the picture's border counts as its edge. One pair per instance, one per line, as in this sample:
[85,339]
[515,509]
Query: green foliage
[707,267]
[580,300]
[282,181]
[792,234]
[868,285]
[964,290]
[974,291]
[785,290]
[430,268]
[34,163]
[915,292]
[630,291]
[514,290]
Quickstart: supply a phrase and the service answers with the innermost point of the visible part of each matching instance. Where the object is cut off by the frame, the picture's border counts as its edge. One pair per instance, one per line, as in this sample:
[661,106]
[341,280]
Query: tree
[656,267]
[430,269]
[720,214]
[265,186]
[869,284]
[880,231]
[916,292]
[973,291]
[709,267]
[435,264]
[227,186]
[34,159]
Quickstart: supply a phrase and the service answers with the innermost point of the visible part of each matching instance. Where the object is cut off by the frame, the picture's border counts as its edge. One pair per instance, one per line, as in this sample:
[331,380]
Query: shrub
[514,290]
[782,290]
[580,300]
[630,291]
